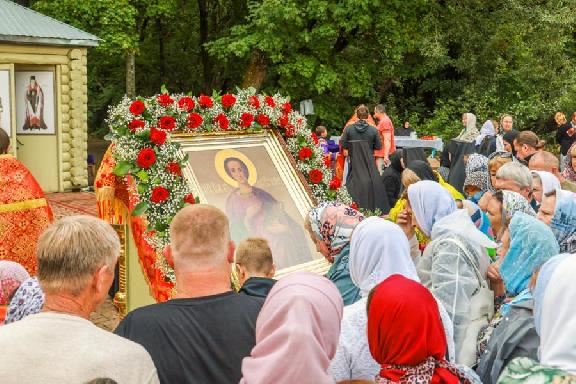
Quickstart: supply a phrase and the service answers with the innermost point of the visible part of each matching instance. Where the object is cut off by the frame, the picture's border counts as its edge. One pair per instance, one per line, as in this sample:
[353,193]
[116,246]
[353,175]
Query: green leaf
[163,89]
[140,208]
[141,189]
[143,176]
[122,168]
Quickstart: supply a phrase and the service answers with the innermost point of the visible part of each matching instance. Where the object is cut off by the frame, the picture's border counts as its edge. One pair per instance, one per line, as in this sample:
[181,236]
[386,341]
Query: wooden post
[130,74]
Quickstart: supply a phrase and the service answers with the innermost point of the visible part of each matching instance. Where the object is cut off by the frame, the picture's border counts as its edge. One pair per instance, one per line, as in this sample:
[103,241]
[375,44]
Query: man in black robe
[359,141]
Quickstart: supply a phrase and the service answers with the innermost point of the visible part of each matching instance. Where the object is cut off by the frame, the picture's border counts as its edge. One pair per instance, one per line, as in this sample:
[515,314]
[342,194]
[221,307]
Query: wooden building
[43,95]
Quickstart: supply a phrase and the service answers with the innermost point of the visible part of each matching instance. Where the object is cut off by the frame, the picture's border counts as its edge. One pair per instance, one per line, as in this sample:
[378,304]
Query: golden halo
[224,154]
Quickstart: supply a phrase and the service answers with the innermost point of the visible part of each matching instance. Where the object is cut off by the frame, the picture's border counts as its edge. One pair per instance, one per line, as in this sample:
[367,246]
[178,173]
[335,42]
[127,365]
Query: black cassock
[363,182]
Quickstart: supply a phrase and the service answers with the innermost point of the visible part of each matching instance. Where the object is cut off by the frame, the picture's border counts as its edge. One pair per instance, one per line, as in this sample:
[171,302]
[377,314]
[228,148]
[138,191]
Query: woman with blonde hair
[564,136]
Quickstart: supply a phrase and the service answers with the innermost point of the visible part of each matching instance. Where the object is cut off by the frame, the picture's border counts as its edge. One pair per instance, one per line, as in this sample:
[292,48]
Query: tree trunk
[130,74]
[161,53]
[204,58]
[256,72]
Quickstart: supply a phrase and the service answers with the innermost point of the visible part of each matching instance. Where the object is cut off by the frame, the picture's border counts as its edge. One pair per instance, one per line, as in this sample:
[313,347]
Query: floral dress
[525,370]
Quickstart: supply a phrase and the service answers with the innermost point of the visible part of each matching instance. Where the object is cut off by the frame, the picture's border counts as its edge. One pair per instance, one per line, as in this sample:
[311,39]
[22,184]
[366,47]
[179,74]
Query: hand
[404,220]
[386,161]
[494,272]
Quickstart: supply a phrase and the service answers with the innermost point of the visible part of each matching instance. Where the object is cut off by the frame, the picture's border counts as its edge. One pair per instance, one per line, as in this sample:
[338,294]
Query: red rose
[254,101]
[159,194]
[286,108]
[269,100]
[315,138]
[157,136]
[186,103]
[246,119]
[205,101]
[135,124]
[189,199]
[335,183]
[222,121]
[228,100]
[137,107]
[316,176]
[354,205]
[146,158]
[304,153]
[283,120]
[167,122]
[164,100]
[194,120]
[174,168]
[290,131]
[263,120]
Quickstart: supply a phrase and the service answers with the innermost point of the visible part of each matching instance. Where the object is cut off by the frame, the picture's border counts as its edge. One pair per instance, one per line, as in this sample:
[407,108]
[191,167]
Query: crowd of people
[449,285]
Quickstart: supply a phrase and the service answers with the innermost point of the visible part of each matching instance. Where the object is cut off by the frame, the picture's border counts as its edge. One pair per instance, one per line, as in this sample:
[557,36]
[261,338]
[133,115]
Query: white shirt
[57,348]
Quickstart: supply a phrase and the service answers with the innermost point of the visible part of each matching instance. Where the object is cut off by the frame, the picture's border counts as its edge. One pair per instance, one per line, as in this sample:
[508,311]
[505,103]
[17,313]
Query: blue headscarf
[563,223]
[531,244]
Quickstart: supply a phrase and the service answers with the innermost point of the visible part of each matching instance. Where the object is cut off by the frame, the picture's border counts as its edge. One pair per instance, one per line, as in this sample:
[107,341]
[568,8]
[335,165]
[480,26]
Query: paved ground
[84,203]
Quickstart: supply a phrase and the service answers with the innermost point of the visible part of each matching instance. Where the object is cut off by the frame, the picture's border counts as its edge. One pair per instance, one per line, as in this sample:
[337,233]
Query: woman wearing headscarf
[543,183]
[554,314]
[406,336]
[453,266]
[330,225]
[392,177]
[296,332]
[12,275]
[569,171]
[27,300]
[476,182]
[379,249]
[558,210]
[470,132]
[511,333]
[486,140]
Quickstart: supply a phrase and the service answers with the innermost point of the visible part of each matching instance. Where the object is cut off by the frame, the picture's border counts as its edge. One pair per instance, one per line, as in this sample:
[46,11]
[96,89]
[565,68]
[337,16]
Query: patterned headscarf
[513,202]
[531,244]
[333,223]
[563,223]
[477,179]
[470,132]
[476,162]
[12,275]
[27,300]
[569,172]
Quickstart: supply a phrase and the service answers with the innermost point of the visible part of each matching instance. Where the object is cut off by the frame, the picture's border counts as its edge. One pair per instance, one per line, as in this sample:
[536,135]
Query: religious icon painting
[5,104]
[35,106]
[250,177]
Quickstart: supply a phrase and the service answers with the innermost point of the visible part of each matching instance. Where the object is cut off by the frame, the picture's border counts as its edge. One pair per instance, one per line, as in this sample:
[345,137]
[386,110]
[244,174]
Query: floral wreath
[144,152]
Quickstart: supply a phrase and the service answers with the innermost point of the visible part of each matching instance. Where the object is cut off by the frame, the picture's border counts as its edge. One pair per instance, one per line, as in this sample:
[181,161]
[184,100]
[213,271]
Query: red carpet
[72,203]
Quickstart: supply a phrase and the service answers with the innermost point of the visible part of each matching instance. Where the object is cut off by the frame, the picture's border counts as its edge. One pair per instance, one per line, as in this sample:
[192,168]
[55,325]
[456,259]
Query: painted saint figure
[255,212]
[34,101]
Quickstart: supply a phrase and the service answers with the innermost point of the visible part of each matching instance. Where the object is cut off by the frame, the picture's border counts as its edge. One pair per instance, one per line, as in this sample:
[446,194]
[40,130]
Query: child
[329,147]
[255,267]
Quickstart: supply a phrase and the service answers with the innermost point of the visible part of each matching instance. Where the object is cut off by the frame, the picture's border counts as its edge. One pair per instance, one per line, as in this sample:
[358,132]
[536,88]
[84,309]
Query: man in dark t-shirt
[202,335]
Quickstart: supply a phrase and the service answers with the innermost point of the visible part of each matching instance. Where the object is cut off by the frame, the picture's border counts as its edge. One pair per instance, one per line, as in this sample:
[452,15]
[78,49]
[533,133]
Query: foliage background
[427,60]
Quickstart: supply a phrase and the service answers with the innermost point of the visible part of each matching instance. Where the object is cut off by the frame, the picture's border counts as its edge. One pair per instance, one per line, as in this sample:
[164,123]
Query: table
[408,142]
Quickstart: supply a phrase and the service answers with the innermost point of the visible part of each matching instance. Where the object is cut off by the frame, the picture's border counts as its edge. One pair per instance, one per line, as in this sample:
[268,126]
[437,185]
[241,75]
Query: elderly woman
[554,312]
[453,266]
[406,336]
[12,275]
[296,332]
[558,210]
[470,131]
[28,300]
[476,182]
[379,249]
[543,183]
[330,225]
[511,332]
[515,177]
[569,164]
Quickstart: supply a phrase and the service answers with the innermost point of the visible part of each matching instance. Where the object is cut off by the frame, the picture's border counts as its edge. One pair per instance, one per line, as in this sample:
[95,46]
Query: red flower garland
[157,136]
[194,120]
[174,168]
[290,131]
[205,101]
[222,121]
[167,122]
[135,124]
[314,138]
[316,176]
[246,120]
[137,107]
[189,199]
[283,121]
[186,103]
[254,101]
[286,108]
[228,101]
[146,158]
[269,100]
[159,195]
[263,120]
[304,153]
[165,100]
[335,184]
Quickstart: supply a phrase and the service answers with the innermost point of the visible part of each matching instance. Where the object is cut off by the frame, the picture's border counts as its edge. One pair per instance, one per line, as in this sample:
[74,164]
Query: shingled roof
[22,25]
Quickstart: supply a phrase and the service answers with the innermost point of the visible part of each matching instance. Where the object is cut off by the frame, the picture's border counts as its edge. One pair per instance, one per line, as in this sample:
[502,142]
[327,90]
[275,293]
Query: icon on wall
[35,107]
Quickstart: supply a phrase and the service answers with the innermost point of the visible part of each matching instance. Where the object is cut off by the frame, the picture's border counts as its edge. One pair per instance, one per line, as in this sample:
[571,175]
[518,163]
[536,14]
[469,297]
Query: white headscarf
[555,313]
[486,130]
[470,132]
[549,181]
[430,202]
[379,249]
